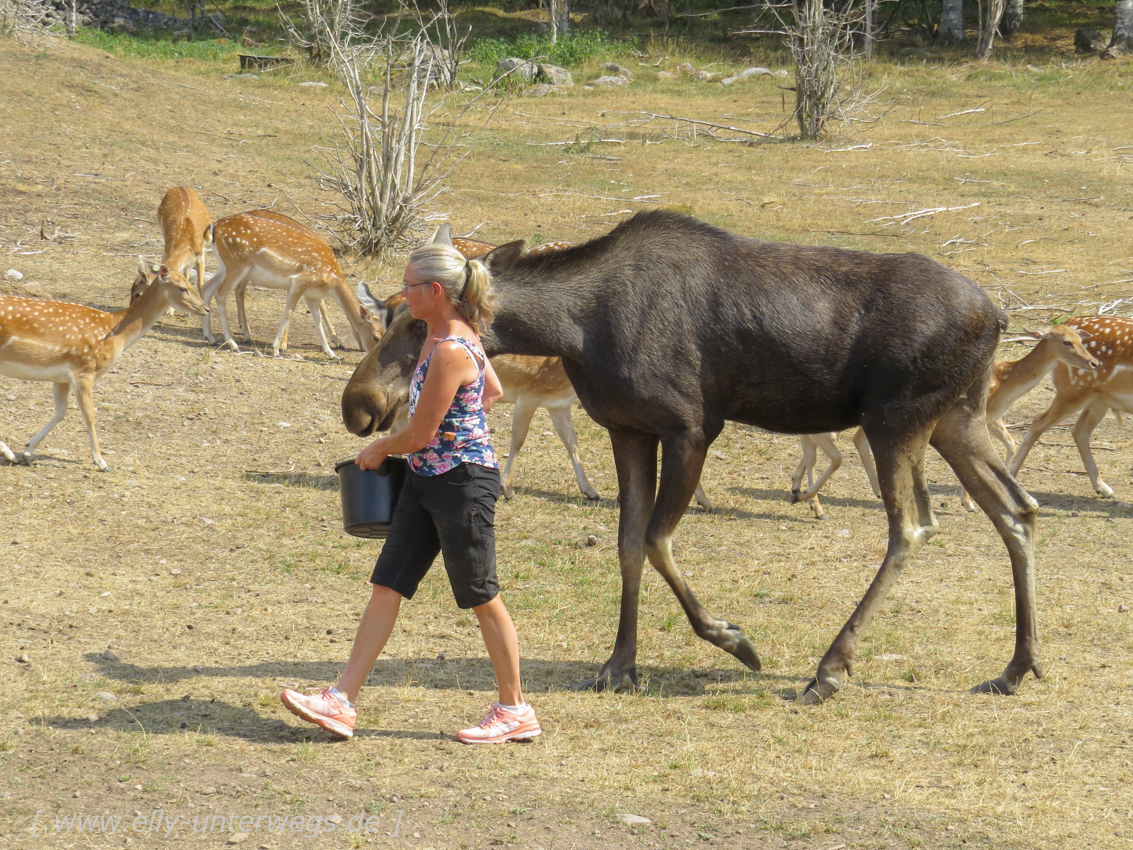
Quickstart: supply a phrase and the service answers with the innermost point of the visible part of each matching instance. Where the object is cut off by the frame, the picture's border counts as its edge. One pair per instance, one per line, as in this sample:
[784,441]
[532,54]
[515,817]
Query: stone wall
[111,15]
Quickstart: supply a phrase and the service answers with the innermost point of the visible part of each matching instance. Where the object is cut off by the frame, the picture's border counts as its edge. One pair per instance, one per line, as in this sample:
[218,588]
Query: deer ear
[1084,334]
[143,266]
[1031,333]
[162,273]
[442,235]
[503,258]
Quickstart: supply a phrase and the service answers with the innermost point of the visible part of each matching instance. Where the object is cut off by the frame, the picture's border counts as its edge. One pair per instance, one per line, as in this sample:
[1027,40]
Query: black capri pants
[455,514]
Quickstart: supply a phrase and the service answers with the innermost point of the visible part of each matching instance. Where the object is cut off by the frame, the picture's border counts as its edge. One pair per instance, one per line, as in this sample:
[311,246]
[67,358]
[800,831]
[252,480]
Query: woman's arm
[450,368]
[493,389]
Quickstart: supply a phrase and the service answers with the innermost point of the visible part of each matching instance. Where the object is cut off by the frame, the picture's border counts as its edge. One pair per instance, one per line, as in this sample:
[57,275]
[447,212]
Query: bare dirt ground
[150,615]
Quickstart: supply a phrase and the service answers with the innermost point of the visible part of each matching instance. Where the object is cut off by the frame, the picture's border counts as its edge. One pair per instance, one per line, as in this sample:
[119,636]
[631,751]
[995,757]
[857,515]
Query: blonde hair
[467,283]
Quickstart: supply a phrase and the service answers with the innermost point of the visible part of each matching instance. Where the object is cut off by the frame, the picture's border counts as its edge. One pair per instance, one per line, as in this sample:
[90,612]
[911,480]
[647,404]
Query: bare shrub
[24,20]
[821,41]
[325,23]
[395,147]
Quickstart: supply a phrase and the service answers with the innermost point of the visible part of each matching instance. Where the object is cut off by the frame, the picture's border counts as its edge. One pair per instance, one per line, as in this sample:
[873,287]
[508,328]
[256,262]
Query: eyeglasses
[405,285]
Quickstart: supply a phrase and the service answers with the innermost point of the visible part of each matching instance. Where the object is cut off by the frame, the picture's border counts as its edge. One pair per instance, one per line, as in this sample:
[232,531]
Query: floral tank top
[463,435]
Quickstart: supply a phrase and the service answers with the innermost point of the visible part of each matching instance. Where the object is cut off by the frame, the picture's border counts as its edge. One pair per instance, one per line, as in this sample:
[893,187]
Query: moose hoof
[607,680]
[1001,686]
[817,691]
[738,644]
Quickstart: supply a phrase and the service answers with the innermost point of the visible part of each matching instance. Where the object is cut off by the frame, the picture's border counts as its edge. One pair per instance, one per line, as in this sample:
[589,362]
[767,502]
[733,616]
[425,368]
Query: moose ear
[442,235]
[504,257]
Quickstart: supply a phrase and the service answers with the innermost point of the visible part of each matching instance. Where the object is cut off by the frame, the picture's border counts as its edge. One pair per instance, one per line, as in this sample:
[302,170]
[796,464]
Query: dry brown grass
[211,560]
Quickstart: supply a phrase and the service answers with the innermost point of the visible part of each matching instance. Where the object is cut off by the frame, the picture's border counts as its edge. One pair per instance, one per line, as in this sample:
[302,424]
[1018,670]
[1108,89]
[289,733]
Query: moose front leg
[635,456]
[682,461]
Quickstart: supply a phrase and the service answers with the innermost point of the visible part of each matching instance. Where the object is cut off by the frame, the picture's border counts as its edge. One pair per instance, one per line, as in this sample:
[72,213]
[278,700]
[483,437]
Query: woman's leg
[370,640]
[503,648]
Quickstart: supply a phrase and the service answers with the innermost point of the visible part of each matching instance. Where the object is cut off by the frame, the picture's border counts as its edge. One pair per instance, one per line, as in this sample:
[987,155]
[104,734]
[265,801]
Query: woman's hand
[373,455]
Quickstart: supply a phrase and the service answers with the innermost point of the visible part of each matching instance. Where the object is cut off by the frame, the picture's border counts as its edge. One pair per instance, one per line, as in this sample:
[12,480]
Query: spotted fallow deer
[185,224]
[798,339]
[1013,379]
[270,250]
[1107,387]
[69,344]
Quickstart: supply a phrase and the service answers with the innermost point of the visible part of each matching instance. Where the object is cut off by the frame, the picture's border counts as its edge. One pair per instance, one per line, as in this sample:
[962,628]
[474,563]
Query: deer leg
[1060,408]
[60,392]
[564,427]
[635,456]
[1083,430]
[900,465]
[280,344]
[7,453]
[201,272]
[521,415]
[324,316]
[806,464]
[962,439]
[318,311]
[861,443]
[826,443]
[219,287]
[241,310]
[998,430]
[702,498]
[682,459]
[210,291]
[83,387]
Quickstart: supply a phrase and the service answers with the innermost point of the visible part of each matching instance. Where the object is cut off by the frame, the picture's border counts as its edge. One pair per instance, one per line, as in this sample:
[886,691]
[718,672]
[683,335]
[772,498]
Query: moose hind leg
[962,439]
[900,465]
[681,463]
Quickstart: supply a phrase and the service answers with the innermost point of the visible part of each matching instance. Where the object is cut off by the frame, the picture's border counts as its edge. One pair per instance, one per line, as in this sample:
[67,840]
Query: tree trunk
[1012,18]
[990,25]
[951,23]
[1122,41]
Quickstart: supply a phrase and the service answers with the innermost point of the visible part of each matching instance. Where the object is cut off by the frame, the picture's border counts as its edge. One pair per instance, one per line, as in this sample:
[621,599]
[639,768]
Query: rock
[314,84]
[108,656]
[617,70]
[248,76]
[554,75]
[23,658]
[541,90]
[1121,609]
[13,275]
[745,74]
[634,820]
[591,540]
[516,69]
[1088,41]
[238,838]
[610,82]
[106,696]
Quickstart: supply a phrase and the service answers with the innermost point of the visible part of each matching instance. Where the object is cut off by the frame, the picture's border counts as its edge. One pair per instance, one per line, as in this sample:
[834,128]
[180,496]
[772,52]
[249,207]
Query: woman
[447,504]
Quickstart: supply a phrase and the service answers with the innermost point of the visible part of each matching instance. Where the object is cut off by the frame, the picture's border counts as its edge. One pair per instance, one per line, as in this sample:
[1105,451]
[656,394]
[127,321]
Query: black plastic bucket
[369,496]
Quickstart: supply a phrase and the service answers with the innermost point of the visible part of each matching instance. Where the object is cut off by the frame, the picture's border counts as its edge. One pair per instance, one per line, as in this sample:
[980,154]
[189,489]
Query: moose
[668,327]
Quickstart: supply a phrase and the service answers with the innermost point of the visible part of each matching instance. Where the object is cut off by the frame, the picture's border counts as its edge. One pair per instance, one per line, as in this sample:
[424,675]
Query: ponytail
[467,283]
